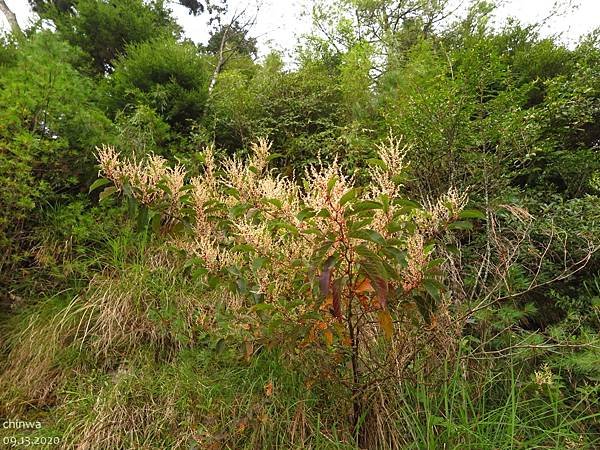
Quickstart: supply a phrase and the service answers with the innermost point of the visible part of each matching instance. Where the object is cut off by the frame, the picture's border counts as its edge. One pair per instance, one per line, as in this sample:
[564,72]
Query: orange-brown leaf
[328,335]
[364,286]
[269,389]
[248,350]
[386,324]
[327,303]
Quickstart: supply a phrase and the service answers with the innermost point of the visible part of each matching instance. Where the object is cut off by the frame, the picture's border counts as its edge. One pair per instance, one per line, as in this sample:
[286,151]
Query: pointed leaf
[155,222]
[472,214]
[325,277]
[106,193]
[368,235]
[381,287]
[350,195]
[336,304]
[364,286]
[433,288]
[461,225]
[366,205]
[331,183]
[386,324]
[98,183]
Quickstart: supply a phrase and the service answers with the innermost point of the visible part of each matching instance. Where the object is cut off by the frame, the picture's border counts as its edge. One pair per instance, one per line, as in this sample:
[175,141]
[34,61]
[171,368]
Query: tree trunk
[12,19]
[220,62]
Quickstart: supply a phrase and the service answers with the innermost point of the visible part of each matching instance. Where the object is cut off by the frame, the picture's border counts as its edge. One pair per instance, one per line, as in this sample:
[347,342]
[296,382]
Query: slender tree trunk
[220,61]
[12,19]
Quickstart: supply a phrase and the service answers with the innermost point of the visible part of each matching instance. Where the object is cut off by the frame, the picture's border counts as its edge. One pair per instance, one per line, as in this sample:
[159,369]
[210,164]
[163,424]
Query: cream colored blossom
[393,155]
[439,213]
[144,176]
[412,275]
[544,376]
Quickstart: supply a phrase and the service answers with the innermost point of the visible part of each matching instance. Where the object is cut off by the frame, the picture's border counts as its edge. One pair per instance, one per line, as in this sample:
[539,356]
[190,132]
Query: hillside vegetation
[390,243]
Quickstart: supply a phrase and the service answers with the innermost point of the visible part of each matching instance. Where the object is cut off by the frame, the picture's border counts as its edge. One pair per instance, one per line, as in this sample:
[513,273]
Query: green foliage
[168,76]
[49,125]
[236,40]
[104,28]
[299,111]
[8,52]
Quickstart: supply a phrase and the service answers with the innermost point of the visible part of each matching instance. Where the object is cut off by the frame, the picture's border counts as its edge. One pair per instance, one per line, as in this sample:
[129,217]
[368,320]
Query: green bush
[166,75]
[49,126]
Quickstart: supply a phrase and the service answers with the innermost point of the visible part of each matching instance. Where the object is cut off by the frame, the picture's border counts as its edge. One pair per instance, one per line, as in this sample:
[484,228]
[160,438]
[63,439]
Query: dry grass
[31,371]
[120,315]
[116,317]
[126,414]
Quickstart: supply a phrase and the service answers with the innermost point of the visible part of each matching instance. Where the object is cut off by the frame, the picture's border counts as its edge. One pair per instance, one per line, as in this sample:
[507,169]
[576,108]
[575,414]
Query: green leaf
[452,249]
[460,225]
[98,183]
[324,213]
[273,156]
[433,288]
[394,227]
[262,307]
[220,346]
[472,214]
[106,193]
[371,262]
[142,218]
[239,209]
[368,235]
[429,248]
[273,201]
[393,252]
[243,248]
[331,184]
[407,203]
[258,263]
[425,306]
[233,192]
[366,205]
[306,213]
[376,162]
[155,222]
[385,202]
[435,262]
[350,195]
[165,187]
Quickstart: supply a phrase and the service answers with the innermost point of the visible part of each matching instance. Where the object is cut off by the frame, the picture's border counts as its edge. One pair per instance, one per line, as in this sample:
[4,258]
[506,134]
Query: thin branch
[11,18]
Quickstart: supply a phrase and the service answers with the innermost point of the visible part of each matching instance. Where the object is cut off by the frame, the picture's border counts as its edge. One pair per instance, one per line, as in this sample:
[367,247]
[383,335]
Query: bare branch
[11,18]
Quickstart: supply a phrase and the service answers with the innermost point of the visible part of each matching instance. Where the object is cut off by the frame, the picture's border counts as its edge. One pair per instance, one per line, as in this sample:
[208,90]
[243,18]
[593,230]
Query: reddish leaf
[325,277]
[324,280]
[381,287]
[336,304]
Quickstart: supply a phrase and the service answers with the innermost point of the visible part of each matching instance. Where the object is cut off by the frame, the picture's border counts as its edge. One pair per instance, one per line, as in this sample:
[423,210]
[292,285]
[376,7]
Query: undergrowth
[154,353]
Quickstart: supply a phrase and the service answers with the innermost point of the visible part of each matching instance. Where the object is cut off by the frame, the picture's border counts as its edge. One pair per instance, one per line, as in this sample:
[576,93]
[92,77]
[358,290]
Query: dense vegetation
[394,244]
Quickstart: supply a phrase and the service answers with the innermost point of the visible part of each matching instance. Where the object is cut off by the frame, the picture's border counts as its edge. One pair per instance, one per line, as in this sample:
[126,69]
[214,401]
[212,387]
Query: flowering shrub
[315,261]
